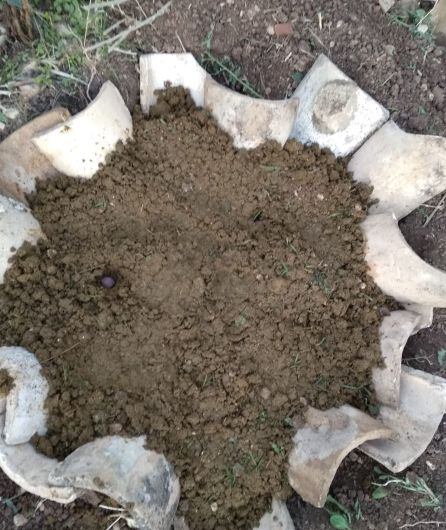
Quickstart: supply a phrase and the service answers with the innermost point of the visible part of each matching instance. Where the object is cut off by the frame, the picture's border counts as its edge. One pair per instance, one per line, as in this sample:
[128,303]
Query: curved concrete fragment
[334,112]
[21,163]
[394,332]
[174,69]
[438,17]
[414,423]
[30,470]
[139,479]
[395,267]
[249,121]
[25,415]
[80,145]
[425,314]
[321,445]
[404,169]
[17,225]
[278,519]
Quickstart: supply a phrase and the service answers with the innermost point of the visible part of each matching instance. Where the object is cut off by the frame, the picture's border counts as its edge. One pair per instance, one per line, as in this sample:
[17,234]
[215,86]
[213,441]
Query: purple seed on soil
[108,282]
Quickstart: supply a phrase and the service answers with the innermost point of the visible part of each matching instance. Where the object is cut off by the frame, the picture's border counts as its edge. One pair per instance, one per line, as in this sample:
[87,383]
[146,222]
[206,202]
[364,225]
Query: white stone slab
[249,121]
[414,422]
[404,169]
[395,267]
[322,443]
[21,163]
[394,332]
[25,414]
[17,225]
[175,69]
[80,145]
[29,470]
[139,479]
[333,111]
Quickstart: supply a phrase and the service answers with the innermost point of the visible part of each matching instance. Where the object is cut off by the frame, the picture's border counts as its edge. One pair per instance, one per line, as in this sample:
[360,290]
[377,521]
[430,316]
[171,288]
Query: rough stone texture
[30,470]
[322,443]
[139,479]
[414,422]
[20,160]
[278,519]
[334,112]
[176,69]
[395,329]
[25,414]
[249,121]
[79,145]
[404,169]
[17,225]
[395,267]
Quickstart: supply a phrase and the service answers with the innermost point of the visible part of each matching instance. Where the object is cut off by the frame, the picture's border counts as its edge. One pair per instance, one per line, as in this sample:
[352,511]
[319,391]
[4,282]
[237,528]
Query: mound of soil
[241,296]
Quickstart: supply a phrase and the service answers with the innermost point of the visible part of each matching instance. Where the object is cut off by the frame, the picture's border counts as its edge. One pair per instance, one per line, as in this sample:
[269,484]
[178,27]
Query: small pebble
[108,282]
[19,520]
[214,507]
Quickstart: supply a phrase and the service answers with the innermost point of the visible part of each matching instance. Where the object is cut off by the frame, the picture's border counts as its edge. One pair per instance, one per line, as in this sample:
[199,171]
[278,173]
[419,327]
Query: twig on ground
[435,210]
[180,41]
[61,353]
[418,523]
[107,3]
[117,39]
[144,14]
[87,22]
[125,52]
[114,26]
[388,79]
[318,39]
[115,522]
[111,508]
[59,73]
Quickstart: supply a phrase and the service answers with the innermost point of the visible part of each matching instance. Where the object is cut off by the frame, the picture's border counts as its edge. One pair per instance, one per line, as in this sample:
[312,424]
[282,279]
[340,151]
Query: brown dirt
[241,295]
[386,61]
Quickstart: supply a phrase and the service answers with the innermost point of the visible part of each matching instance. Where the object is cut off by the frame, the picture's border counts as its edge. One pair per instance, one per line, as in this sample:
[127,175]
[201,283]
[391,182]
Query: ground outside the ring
[388,62]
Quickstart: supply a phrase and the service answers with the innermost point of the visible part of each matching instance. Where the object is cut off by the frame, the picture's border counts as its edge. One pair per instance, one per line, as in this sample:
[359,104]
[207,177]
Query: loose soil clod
[243,295]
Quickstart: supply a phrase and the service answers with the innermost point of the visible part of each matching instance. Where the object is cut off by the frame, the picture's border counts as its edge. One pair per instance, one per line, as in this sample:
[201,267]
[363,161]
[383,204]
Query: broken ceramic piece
[404,169]
[333,111]
[438,17]
[394,332]
[30,470]
[395,267]
[25,401]
[137,478]
[21,163]
[321,445]
[174,69]
[249,121]
[278,519]
[425,316]
[80,145]
[17,225]
[414,423]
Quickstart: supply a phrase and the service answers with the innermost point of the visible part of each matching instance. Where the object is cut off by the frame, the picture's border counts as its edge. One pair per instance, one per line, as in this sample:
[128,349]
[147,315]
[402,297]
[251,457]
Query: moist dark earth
[405,74]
